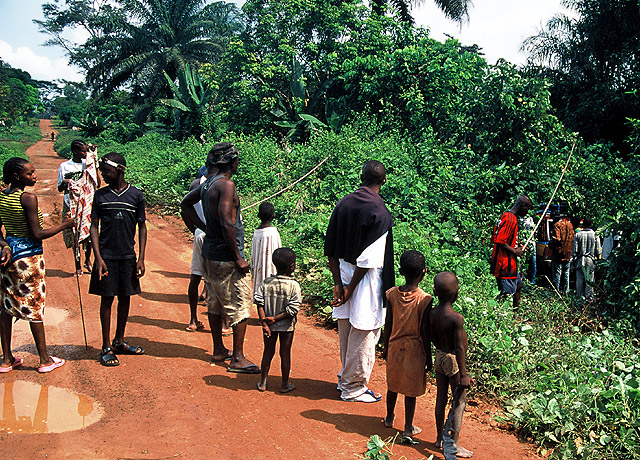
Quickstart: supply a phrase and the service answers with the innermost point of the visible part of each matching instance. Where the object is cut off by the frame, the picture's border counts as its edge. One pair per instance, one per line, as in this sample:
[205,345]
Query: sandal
[126,349]
[108,357]
[193,328]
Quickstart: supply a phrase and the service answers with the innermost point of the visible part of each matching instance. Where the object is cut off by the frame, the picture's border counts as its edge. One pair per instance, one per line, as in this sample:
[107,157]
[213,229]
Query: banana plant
[296,113]
[92,124]
[192,99]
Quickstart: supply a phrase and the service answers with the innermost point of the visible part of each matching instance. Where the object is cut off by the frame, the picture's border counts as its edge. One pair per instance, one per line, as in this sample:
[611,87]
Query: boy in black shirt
[117,208]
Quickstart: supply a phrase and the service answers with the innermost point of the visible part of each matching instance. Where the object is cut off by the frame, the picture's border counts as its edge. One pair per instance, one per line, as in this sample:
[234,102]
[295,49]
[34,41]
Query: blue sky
[497,26]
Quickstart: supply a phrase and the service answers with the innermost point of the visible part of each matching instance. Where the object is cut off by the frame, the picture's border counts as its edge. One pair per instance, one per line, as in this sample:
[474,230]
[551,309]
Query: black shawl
[358,220]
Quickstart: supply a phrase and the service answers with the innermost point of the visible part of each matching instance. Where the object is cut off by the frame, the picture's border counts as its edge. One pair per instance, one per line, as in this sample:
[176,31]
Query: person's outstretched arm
[30,205]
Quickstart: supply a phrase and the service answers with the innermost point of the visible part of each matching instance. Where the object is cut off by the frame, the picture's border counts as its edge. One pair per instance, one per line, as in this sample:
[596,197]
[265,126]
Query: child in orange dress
[405,352]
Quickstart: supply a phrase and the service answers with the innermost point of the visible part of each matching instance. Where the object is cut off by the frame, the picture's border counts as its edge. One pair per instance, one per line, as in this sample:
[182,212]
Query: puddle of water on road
[52,317]
[29,408]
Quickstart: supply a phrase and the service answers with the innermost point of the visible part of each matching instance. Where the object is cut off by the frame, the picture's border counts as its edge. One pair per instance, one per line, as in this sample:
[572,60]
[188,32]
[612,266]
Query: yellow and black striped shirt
[12,214]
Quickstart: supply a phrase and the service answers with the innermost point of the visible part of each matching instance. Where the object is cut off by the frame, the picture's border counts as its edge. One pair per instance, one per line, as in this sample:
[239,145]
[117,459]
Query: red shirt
[504,264]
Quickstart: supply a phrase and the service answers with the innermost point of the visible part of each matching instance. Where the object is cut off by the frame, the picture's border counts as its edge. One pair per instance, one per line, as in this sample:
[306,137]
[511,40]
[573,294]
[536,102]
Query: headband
[114,164]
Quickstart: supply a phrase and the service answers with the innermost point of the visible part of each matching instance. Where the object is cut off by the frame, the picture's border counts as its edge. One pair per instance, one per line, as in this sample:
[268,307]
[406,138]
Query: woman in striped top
[22,287]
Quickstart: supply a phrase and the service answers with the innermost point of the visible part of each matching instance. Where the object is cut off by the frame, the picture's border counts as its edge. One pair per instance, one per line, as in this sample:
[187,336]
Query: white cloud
[40,67]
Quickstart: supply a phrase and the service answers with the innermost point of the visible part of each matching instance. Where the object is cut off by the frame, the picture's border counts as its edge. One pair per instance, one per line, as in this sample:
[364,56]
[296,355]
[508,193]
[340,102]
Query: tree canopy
[592,62]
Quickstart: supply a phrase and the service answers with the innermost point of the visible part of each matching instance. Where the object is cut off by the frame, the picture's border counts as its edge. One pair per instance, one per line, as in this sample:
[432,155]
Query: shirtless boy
[446,328]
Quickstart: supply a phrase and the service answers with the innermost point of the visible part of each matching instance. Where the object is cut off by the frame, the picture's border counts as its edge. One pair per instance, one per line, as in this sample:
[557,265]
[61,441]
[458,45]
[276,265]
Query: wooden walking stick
[552,196]
[76,253]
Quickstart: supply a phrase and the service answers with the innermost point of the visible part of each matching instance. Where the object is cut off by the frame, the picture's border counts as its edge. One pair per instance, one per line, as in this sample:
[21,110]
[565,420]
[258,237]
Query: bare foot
[388,422]
[219,358]
[242,363]
[462,452]
[287,388]
[414,431]
[262,386]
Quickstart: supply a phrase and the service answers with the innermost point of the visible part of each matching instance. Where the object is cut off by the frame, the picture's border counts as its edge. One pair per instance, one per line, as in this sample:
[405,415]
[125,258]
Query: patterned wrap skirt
[22,288]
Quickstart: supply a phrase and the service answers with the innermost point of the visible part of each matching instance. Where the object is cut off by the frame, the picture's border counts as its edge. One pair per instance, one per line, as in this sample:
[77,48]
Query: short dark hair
[445,285]
[412,264]
[524,200]
[116,158]
[283,258]
[373,173]
[587,222]
[266,211]
[76,145]
[12,166]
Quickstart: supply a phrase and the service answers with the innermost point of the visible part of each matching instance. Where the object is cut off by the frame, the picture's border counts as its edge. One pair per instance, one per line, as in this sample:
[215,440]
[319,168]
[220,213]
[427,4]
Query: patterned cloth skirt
[22,288]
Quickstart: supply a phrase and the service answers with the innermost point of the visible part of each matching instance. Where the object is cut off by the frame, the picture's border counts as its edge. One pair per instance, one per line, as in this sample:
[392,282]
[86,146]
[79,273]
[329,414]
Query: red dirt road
[170,403]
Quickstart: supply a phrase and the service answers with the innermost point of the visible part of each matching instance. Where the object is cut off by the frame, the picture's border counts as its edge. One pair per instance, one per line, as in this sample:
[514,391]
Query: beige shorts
[445,363]
[229,291]
[197,261]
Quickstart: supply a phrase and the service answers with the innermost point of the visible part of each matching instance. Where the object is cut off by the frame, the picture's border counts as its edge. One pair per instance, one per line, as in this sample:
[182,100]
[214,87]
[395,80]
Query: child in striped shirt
[278,300]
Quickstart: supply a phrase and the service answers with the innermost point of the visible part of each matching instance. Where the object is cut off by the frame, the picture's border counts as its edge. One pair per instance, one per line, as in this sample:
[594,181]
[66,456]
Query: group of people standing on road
[359,250]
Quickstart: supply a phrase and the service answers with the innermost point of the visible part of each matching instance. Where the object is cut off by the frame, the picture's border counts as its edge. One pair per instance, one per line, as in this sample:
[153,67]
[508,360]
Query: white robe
[265,241]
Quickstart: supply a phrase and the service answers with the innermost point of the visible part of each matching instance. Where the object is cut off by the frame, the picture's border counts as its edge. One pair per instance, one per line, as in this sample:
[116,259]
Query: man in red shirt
[504,260]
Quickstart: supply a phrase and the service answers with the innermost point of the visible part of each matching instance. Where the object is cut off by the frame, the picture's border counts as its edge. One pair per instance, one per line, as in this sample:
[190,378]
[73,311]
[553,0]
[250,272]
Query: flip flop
[16,362]
[366,397]
[125,349]
[198,326]
[57,362]
[253,369]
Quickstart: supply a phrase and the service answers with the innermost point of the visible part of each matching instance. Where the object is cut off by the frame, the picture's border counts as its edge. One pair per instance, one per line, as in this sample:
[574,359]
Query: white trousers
[358,355]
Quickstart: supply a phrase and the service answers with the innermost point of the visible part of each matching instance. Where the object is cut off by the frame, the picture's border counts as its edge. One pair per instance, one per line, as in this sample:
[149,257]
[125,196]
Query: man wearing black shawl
[359,246]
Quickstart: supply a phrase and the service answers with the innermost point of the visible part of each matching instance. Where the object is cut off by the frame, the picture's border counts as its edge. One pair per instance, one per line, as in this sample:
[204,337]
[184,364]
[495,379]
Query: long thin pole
[287,187]
[76,253]
[564,170]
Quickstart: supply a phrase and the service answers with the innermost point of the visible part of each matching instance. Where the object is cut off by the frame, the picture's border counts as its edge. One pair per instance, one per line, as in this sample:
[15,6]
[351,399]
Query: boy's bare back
[445,325]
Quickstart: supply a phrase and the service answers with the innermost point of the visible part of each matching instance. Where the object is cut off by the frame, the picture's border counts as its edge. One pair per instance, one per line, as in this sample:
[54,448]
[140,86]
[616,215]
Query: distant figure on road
[359,246]
[22,287]
[227,271]
[117,209]
[504,260]
[53,136]
[446,331]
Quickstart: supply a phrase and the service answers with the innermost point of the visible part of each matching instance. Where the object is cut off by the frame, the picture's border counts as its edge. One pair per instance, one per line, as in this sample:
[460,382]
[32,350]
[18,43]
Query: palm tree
[157,36]
[456,10]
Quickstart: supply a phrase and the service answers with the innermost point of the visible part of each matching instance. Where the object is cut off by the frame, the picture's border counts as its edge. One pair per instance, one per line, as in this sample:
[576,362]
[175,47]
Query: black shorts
[121,280]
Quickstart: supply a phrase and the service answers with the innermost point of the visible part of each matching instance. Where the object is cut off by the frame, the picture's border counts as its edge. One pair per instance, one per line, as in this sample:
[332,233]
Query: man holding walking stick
[504,260]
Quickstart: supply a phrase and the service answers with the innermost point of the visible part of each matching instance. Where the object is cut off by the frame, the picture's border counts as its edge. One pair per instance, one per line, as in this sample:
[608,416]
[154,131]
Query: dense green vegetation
[14,142]
[19,95]
[297,81]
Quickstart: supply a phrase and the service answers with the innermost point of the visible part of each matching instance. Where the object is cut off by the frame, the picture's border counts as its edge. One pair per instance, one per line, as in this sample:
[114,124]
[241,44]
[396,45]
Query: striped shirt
[504,264]
[12,214]
[278,294]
